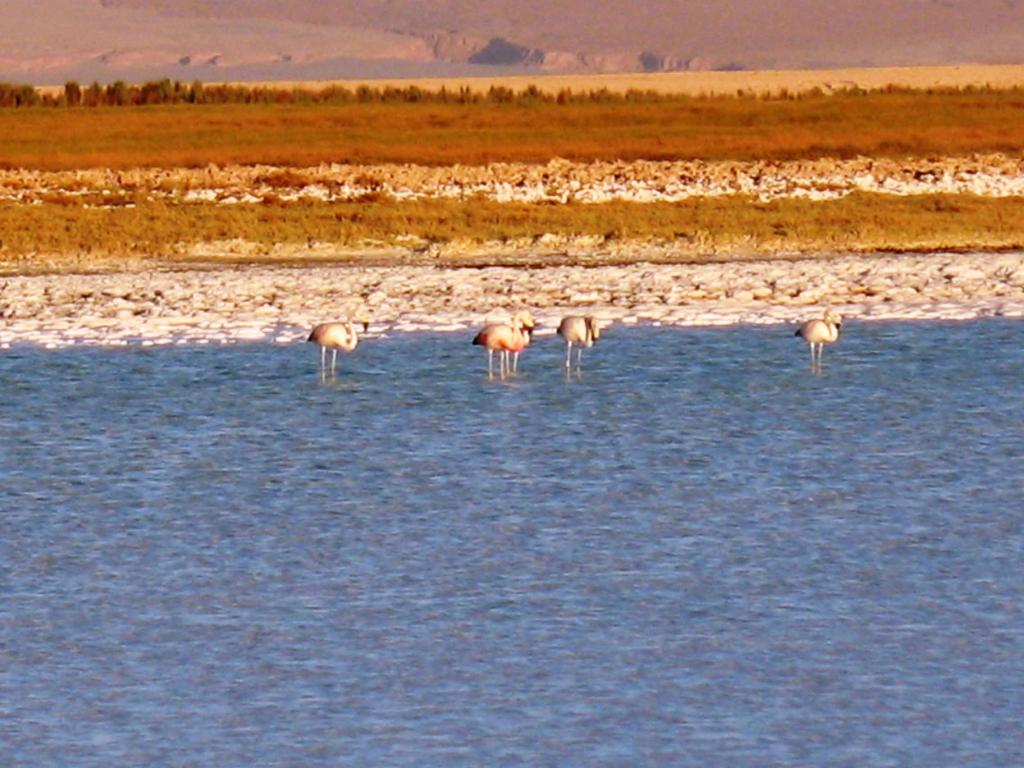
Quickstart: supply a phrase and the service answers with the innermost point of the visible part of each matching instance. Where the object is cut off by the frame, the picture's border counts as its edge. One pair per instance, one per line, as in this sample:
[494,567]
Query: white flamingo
[583,331]
[817,333]
[335,336]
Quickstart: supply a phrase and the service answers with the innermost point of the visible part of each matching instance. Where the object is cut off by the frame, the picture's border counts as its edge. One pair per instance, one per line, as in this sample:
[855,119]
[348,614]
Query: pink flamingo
[511,337]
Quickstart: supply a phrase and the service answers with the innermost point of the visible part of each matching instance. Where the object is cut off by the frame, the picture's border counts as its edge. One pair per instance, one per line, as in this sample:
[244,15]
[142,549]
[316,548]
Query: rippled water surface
[696,553]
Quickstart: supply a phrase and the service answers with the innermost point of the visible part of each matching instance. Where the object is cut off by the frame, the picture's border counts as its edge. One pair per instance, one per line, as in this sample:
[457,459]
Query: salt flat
[280,304]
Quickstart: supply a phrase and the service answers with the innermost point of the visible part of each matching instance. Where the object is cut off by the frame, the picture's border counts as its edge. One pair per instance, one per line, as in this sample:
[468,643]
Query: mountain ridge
[306,39]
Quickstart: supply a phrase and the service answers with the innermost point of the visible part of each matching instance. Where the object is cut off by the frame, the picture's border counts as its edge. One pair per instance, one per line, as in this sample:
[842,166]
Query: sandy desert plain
[695,198]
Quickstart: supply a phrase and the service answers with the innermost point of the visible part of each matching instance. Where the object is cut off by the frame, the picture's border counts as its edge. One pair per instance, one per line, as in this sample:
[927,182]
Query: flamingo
[527,324]
[818,333]
[583,331]
[335,336]
[511,337]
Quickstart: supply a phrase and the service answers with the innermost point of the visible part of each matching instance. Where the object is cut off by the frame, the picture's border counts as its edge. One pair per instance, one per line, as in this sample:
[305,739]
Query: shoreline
[211,304]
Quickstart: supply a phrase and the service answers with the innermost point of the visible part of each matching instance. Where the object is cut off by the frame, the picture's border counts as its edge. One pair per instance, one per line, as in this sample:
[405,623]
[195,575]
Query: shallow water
[698,552]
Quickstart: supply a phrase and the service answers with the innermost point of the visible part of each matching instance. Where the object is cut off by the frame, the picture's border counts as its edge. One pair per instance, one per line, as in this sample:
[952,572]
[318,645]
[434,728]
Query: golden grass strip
[760,82]
[875,124]
[701,228]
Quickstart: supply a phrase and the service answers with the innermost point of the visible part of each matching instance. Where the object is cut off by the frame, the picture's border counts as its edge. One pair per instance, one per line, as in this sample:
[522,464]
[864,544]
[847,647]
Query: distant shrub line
[165,92]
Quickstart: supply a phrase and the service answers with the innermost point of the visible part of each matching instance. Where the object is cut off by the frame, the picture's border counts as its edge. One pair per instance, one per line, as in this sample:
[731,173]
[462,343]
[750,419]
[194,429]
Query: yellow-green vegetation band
[702,226]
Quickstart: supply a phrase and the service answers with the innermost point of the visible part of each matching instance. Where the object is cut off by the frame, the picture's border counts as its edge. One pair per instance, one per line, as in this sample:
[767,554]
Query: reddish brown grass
[843,125]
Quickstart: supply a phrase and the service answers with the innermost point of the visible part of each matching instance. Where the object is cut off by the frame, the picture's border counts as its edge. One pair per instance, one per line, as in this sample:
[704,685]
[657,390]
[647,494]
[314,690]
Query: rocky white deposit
[558,181]
[280,304]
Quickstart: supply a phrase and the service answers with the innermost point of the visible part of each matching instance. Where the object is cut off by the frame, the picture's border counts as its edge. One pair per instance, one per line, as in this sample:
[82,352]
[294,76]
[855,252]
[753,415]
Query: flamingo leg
[334,360]
[816,350]
[568,353]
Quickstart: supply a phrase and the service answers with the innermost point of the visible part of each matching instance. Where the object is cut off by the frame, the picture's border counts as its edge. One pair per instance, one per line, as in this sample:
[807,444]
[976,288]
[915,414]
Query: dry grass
[719,83]
[878,124]
[701,228]
[699,83]
[67,231]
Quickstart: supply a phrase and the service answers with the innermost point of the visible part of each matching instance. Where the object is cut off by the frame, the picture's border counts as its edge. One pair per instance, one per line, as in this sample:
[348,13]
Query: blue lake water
[696,553]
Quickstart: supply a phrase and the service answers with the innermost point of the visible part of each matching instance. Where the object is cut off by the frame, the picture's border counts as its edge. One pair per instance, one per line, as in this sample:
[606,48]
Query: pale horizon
[52,41]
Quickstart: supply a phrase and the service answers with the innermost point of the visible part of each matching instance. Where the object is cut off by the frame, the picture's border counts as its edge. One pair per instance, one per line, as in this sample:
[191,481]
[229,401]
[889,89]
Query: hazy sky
[286,38]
